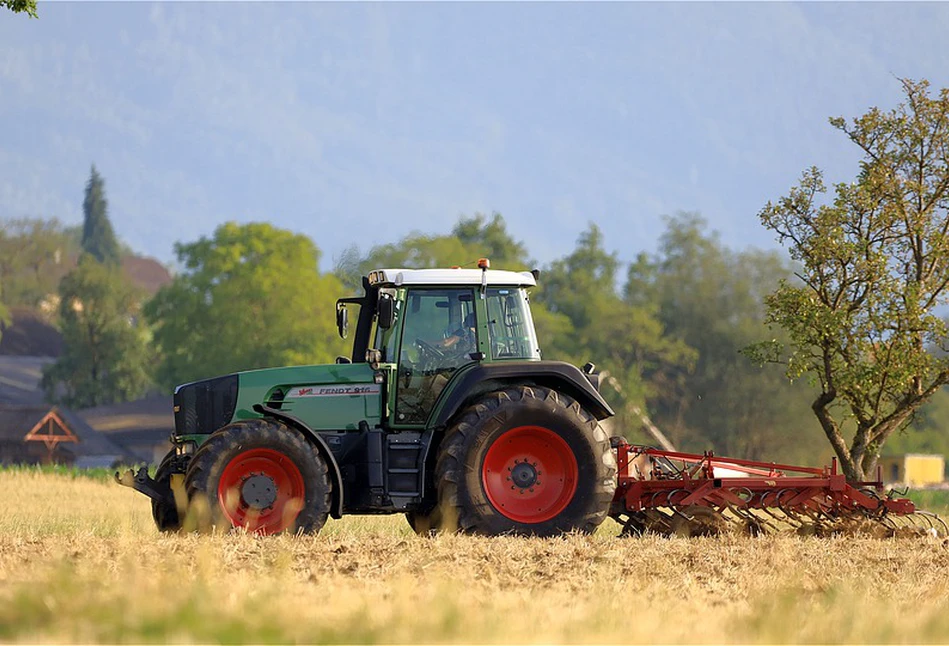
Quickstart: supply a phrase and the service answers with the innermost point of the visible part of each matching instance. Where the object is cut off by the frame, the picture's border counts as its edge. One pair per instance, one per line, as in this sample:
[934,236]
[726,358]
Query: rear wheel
[262,476]
[525,460]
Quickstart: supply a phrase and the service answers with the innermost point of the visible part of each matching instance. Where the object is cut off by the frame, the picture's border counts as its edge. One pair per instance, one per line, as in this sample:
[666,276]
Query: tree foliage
[593,323]
[4,312]
[863,319]
[21,6]
[249,297]
[106,357]
[98,237]
[710,298]
[34,256]
[472,238]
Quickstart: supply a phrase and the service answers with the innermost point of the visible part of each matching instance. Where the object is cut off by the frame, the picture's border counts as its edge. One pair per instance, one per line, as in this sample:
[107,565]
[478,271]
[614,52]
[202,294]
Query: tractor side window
[438,336]
[510,326]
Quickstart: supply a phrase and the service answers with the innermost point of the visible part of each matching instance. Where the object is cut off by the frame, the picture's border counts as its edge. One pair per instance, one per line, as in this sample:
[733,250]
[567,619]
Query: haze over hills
[358,123]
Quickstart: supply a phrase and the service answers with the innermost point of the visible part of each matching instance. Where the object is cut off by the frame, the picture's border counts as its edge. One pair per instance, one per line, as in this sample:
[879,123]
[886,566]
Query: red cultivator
[667,492]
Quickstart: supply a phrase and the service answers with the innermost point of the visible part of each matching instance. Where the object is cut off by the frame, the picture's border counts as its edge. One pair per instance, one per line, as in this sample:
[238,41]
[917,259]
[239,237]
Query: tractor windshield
[510,327]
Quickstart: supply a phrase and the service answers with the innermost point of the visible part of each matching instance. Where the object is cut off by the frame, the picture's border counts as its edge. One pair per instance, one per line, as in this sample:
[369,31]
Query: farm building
[913,469]
[142,427]
[53,435]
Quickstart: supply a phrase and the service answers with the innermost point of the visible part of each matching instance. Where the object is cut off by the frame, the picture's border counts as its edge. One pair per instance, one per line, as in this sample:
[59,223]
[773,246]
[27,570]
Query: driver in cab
[464,339]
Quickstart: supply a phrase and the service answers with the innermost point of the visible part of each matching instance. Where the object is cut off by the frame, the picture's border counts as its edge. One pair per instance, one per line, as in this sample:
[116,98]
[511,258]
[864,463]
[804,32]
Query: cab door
[429,350]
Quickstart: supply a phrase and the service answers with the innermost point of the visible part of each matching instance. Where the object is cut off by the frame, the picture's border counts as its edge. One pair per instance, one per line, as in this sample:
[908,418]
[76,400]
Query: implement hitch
[143,483]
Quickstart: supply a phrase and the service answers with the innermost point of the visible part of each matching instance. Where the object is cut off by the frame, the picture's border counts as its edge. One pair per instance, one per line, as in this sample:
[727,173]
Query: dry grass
[81,562]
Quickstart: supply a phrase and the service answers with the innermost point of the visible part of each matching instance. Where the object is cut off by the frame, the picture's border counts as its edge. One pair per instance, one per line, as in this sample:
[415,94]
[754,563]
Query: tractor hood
[336,396]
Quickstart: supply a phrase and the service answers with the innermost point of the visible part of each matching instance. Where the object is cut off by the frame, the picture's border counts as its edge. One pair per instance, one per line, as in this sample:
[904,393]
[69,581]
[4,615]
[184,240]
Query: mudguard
[474,380]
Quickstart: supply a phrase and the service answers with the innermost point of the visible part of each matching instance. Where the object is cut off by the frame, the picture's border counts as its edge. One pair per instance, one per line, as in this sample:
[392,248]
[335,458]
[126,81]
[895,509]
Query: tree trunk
[832,431]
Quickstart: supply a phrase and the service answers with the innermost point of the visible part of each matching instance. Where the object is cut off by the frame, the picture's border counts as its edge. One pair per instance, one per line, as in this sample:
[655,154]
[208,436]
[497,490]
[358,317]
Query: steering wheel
[433,351]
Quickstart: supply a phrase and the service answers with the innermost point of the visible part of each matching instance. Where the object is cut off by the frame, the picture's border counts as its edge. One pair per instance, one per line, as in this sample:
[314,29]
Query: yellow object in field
[914,469]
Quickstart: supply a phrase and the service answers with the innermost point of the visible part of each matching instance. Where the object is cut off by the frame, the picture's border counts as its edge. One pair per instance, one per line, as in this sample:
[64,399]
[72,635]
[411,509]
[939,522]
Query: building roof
[20,380]
[30,334]
[17,421]
[142,423]
[146,273]
[399,277]
[141,416]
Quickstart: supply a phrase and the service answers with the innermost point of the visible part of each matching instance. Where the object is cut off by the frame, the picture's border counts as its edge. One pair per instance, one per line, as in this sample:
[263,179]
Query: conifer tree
[98,237]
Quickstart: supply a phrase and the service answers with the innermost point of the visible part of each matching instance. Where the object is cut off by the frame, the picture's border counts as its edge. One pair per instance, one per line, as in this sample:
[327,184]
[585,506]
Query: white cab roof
[400,277]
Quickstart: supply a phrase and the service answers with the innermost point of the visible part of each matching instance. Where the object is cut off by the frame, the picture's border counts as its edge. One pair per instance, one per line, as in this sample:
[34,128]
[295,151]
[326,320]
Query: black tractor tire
[424,523]
[490,470]
[260,475]
[165,512]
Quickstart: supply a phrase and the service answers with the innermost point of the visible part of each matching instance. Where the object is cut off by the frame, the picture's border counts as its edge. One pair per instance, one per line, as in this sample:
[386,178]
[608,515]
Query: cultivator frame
[669,492]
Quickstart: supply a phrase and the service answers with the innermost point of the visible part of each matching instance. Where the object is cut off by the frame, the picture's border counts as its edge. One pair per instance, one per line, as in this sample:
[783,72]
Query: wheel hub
[523,475]
[259,491]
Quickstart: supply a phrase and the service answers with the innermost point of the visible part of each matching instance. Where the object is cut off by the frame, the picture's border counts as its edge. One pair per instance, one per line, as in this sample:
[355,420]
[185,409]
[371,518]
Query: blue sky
[358,123]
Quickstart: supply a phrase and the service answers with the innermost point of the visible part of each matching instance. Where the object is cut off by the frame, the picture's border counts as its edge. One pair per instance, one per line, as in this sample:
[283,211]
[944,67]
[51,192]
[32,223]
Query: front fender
[336,475]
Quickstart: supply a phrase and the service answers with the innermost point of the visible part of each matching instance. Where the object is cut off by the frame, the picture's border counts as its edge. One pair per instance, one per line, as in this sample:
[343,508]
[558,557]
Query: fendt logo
[334,391]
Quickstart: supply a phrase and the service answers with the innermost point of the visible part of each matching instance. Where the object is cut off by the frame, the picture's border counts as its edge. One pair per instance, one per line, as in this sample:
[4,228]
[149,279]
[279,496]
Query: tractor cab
[418,327]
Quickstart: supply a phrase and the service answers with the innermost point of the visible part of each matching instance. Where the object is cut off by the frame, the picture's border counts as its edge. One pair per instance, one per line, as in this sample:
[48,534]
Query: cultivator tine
[659,522]
[740,519]
[633,525]
[783,518]
[759,522]
[928,523]
[937,522]
[887,522]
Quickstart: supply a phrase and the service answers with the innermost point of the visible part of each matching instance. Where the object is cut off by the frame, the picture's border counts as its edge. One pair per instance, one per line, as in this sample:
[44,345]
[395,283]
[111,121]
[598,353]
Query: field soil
[80,561]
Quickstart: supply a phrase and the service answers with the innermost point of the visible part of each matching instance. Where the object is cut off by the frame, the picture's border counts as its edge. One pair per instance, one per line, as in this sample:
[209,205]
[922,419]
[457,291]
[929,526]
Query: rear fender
[469,383]
[336,504]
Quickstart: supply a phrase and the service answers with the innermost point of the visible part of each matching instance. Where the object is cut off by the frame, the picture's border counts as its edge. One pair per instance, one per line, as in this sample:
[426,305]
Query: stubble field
[81,562]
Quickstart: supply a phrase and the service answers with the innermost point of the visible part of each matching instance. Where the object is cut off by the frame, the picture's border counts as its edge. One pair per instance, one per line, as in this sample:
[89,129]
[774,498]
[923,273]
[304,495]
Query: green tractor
[444,412]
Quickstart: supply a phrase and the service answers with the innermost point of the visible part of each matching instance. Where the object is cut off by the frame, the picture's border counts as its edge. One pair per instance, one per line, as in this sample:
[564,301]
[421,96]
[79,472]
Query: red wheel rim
[529,474]
[261,490]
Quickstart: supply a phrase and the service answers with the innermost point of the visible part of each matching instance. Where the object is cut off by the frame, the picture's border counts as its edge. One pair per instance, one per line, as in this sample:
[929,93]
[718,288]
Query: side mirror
[342,320]
[386,311]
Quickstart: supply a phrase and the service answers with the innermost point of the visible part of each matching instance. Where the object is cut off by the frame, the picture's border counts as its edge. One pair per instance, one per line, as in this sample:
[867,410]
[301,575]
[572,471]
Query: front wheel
[525,460]
[262,476]
[166,512]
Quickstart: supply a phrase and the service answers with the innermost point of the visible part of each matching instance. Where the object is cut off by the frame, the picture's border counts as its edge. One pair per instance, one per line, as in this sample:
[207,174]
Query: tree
[249,297]
[21,6]
[4,313]
[592,323]
[106,356]
[34,256]
[490,239]
[98,238]
[471,238]
[710,298]
[862,320]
